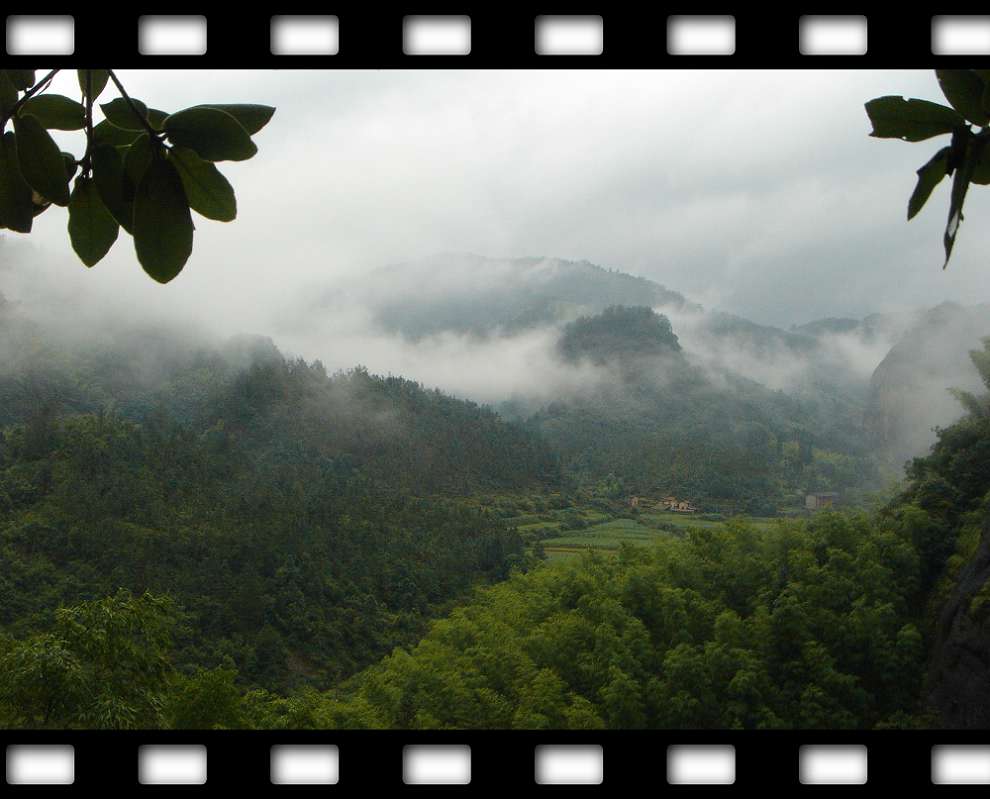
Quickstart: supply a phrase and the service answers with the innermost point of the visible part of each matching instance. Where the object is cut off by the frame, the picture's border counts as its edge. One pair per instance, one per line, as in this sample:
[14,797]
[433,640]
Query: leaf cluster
[143,169]
[965,159]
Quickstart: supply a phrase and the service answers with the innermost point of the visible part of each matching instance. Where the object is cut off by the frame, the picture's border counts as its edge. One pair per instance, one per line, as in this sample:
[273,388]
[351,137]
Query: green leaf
[120,115]
[109,177]
[8,93]
[984,75]
[981,156]
[16,210]
[929,176]
[98,80]
[964,90]
[960,185]
[163,228]
[137,159]
[55,111]
[157,118]
[41,160]
[252,117]
[23,79]
[92,229]
[71,165]
[105,133]
[910,120]
[208,192]
[215,135]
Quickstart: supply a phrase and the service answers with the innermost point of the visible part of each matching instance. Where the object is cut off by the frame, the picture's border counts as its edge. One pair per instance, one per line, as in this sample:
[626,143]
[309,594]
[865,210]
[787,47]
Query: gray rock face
[909,394]
[959,676]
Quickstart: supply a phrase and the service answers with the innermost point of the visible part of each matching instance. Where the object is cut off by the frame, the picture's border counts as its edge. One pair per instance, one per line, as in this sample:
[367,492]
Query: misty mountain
[656,422]
[438,301]
[882,327]
[392,431]
[480,296]
[852,375]
[530,337]
[831,325]
[619,335]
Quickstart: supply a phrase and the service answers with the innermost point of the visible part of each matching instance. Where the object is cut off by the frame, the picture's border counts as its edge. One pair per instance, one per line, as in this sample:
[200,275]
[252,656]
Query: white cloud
[759,192]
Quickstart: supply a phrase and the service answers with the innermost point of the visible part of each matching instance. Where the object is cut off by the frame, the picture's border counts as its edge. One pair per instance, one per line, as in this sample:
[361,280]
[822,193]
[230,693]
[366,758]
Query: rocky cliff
[909,393]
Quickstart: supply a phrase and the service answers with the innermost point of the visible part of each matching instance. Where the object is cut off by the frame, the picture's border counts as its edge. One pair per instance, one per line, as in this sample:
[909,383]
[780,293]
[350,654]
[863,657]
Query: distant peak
[618,333]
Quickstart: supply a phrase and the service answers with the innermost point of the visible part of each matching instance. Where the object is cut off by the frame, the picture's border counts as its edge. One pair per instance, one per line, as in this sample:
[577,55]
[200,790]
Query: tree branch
[86,164]
[39,86]
[154,134]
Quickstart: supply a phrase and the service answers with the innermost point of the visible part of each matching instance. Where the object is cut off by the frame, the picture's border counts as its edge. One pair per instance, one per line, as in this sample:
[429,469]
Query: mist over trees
[275,542]
[272,540]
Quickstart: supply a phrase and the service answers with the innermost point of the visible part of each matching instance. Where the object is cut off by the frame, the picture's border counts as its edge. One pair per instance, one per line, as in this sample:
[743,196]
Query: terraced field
[610,535]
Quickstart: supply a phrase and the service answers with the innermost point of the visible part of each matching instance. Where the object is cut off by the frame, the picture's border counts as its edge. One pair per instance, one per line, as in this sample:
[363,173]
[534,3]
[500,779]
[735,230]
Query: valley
[554,527]
[624,541]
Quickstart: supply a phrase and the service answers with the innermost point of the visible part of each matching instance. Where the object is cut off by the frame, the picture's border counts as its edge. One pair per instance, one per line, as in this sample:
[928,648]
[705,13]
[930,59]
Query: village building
[668,503]
[679,505]
[820,500]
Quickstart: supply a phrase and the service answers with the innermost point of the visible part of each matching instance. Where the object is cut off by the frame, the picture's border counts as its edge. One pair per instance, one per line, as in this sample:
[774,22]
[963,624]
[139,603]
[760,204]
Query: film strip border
[360,35]
[629,761]
[682,762]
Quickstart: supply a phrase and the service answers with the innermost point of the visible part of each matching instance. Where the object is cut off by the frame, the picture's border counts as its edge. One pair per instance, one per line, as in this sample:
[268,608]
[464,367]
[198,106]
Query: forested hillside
[824,623]
[305,523]
[286,571]
[805,626]
[844,621]
[399,433]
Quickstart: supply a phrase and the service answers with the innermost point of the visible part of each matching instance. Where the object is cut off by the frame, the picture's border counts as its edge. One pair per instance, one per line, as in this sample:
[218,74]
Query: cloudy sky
[756,192]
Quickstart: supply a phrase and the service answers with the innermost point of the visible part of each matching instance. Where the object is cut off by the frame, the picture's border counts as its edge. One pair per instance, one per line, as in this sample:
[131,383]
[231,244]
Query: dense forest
[824,623]
[198,532]
[305,522]
[816,623]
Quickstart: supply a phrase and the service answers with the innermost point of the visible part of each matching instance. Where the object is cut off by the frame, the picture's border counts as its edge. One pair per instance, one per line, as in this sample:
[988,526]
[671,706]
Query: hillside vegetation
[201,533]
[295,517]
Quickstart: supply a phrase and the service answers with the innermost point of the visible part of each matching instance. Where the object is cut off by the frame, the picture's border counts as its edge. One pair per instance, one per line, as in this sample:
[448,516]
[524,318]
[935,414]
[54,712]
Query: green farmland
[563,527]
[649,528]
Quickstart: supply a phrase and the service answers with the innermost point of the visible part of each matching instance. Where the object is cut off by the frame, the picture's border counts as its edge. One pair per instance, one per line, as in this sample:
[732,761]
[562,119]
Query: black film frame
[900,37]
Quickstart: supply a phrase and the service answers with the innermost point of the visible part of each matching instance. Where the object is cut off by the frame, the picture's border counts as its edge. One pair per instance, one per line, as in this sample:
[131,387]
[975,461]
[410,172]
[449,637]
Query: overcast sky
[756,192]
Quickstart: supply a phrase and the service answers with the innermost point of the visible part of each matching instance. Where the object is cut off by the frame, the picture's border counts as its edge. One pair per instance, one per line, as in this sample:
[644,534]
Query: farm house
[680,505]
[819,501]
